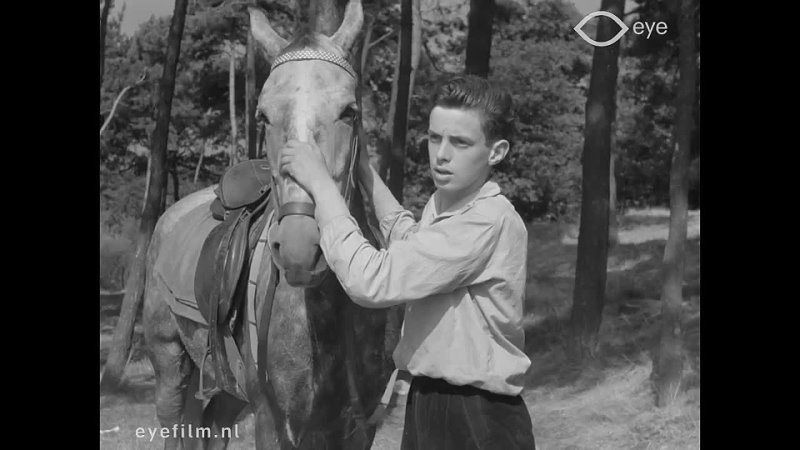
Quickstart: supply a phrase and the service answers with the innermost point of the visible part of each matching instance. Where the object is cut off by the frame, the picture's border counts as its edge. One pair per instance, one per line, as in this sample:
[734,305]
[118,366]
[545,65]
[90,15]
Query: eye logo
[624,28]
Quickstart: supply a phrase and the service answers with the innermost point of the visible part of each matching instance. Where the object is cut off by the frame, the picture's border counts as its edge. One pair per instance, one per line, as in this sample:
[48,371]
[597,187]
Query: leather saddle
[220,282]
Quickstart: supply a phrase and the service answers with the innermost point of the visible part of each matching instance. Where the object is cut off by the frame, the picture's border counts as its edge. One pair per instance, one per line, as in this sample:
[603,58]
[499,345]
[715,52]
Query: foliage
[535,54]
[646,112]
[545,68]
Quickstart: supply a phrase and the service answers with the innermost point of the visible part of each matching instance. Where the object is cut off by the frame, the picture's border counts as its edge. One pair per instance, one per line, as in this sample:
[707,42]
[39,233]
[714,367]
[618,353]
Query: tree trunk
[364,50]
[176,183]
[232,101]
[251,98]
[147,181]
[479,37]
[371,116]
[669,361]
[200,160]
[164,191]
[402,87]
[590,271]
[103,29]
[613,223]
[134,286]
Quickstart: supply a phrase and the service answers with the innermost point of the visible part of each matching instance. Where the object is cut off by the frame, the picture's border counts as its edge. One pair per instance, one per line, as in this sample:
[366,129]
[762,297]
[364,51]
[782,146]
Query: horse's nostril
[276,248]
[317,255]
[319,259]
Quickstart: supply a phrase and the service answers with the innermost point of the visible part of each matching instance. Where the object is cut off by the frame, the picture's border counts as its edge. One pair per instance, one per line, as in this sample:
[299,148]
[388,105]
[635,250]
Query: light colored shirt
[462,277]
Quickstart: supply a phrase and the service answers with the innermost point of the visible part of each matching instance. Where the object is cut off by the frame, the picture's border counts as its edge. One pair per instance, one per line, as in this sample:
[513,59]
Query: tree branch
[376,41]
[431,58]
[119,97]
[204,169]
[241,6]
[633,11]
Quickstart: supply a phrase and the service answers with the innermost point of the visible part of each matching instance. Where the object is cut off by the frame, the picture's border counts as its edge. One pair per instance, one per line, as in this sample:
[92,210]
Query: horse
[325,357]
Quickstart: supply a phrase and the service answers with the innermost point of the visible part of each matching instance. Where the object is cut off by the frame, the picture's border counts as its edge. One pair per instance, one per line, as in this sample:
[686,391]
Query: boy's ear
[498,151]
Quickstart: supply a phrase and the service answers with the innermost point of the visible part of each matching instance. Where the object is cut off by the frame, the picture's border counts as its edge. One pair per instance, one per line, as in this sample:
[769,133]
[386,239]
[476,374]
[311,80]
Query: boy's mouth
[442,171]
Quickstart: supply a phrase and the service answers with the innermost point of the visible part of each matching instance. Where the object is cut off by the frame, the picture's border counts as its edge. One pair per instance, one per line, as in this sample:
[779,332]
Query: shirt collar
[489,189]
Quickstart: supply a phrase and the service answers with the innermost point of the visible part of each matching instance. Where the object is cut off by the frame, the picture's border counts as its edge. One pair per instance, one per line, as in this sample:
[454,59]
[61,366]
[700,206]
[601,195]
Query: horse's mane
[307,39]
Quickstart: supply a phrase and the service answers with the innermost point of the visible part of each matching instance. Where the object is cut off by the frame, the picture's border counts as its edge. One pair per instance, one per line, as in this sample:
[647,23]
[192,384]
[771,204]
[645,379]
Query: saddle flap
[207,277]
[212,271]
[244,184]
[234,261]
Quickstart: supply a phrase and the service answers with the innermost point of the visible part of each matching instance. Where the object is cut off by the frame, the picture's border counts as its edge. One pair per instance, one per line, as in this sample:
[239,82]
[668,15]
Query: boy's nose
[443,152]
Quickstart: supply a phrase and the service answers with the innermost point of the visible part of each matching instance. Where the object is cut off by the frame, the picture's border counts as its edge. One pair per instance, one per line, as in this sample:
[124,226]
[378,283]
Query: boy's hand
[304,162]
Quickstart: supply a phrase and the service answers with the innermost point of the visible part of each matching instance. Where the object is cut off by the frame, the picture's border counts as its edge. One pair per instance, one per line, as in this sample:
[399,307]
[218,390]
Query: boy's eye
[434,138]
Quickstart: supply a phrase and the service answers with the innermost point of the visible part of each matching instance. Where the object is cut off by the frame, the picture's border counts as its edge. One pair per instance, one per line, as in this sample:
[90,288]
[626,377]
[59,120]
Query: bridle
[306,208]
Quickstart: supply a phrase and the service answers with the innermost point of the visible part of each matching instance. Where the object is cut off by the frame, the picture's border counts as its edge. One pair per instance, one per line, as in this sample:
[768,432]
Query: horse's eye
[262,118]
[349,114]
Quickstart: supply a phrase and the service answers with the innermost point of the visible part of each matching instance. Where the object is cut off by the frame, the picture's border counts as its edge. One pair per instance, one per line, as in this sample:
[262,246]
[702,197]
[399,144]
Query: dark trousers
[441,416]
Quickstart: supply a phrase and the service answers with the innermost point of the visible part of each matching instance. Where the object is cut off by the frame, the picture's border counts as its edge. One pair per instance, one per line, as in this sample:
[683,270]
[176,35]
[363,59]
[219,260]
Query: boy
[460,271]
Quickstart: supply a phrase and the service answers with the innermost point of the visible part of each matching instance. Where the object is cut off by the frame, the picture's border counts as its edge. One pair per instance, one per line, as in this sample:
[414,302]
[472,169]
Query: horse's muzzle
[294,245]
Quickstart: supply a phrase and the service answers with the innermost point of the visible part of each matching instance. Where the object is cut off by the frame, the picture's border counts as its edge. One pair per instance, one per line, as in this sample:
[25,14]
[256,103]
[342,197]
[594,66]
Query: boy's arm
[435,260]
[394,221]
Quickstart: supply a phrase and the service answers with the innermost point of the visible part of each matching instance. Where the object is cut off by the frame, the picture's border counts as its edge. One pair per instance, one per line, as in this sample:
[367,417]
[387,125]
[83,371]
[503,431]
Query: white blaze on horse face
[303,101]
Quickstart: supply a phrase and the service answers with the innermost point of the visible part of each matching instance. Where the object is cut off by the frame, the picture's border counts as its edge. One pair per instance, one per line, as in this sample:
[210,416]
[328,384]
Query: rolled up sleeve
[436,259]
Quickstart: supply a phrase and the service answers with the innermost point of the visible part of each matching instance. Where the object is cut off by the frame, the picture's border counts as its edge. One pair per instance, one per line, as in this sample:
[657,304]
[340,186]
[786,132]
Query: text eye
[623,28]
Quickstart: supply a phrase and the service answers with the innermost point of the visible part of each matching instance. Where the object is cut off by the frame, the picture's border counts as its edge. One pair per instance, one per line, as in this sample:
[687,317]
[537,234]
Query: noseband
[305,208]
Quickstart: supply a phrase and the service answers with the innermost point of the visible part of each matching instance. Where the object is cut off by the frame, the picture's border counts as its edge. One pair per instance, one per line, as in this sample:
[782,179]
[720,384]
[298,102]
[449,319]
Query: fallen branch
[119,97]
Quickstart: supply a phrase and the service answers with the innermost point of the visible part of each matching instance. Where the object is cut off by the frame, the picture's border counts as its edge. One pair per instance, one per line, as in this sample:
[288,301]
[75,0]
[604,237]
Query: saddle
[220,284]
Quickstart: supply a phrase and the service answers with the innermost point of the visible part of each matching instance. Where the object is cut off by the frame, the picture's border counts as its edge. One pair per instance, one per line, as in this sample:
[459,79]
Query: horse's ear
[263,33]
[351,25]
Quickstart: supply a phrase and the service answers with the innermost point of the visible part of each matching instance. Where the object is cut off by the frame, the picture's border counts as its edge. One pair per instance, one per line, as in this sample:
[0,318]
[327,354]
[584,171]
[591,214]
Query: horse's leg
[264,419]
[193,413]
[171,362]
[219,417]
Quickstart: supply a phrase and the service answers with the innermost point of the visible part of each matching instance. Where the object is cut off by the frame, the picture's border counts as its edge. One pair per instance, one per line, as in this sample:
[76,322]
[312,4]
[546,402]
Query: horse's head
[309,96]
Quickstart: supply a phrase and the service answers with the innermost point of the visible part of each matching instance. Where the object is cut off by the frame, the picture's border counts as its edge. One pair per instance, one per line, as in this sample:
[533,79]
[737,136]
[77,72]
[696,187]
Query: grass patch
[608,403]
[612,408]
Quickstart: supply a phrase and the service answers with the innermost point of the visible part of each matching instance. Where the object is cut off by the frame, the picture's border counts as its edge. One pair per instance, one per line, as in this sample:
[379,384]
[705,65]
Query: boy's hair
[473,92]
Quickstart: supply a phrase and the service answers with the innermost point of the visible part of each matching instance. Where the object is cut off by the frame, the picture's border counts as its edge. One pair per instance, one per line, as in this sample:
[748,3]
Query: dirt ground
[605,404]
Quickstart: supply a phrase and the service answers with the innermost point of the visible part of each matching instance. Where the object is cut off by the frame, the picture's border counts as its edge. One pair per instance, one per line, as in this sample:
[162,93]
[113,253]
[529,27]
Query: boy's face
[460,156]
